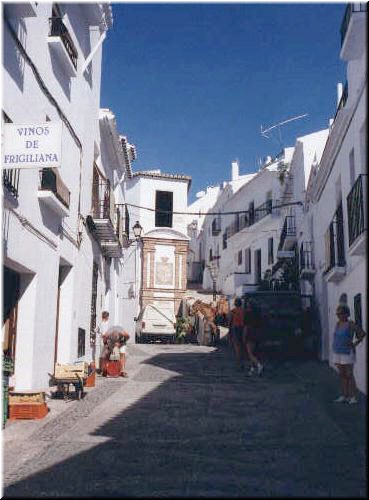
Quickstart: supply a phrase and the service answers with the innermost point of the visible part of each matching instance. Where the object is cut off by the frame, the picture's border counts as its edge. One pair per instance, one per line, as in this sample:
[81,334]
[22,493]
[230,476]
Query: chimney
[339,92]
[235,170]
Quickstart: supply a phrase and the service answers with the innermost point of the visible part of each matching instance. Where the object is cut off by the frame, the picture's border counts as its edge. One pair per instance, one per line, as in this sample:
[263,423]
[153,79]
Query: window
[257,260]
[237,223]
[248,261]
[224,240]
[164,209]
[270,251]
[251,213]
[126,221]
[10,175]
[334,241]
[269,202]
[357,310]
[81,342]
[210,254]
[240,257]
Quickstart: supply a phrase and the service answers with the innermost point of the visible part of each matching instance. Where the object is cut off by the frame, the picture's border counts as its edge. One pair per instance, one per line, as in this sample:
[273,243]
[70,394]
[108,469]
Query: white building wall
[36,240]
[325,192]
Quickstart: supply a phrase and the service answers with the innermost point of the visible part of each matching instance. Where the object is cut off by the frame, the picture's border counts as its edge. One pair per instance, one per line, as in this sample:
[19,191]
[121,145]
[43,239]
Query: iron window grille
[335,245]
[355,211]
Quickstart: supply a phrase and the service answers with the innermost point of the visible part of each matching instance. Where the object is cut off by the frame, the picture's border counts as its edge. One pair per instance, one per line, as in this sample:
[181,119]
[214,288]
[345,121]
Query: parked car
[156,322]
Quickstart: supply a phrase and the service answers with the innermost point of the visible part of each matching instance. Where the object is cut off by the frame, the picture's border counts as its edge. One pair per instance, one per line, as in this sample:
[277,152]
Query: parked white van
[156,321]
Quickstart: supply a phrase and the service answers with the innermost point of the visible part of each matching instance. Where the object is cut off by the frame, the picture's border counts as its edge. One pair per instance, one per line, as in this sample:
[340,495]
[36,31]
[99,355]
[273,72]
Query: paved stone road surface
[187,423]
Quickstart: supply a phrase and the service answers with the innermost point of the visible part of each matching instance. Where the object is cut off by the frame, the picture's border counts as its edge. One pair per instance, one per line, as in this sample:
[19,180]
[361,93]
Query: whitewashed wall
[355,278]
[40,255]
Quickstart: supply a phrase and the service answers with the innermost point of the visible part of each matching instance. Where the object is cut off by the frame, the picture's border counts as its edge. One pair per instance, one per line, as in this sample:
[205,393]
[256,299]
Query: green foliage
[183,327]
[282,172]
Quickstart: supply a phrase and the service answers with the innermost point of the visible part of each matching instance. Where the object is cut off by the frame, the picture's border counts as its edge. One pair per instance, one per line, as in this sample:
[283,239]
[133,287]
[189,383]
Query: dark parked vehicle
[286,328]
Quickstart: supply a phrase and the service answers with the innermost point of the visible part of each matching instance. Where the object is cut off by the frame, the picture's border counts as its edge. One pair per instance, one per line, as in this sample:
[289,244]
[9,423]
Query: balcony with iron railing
[61,42]
[353,31]
[335,267]
[11,181]
[251,217]
[112,247]
[102,221]
[356,218]
[53,192]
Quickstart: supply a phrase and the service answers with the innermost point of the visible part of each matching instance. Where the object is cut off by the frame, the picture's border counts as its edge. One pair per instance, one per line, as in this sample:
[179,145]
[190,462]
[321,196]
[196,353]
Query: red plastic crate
[113,368]
[90,380]
[27,411]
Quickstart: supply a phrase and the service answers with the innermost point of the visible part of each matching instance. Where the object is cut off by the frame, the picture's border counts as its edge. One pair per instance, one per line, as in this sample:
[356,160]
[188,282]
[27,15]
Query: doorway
[63,272]
[11,293]
[257,264]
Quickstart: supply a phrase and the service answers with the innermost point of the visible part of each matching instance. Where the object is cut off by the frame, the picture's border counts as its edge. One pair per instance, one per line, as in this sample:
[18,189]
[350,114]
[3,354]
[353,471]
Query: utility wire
[211,213]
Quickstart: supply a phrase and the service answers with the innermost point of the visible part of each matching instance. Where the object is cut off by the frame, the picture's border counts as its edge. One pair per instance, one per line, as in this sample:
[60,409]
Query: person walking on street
[122,352]
[344,353]
[236,326]
[251,336]
[101,340]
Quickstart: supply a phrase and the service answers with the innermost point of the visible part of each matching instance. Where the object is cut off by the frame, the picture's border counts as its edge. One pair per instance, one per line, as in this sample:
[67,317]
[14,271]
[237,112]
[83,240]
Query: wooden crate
[70,370]
[26,397]
[22,411]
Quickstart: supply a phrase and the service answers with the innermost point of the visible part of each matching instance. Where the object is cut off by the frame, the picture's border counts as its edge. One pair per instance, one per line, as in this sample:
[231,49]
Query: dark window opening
[248,261]
[240,257]
[270,251]
[10,175]
[164,209]
[224,240]
[251,213]
[81,342]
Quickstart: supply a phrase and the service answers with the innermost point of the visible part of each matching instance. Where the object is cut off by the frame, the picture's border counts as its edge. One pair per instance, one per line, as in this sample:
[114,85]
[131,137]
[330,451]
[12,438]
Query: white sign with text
[32,146]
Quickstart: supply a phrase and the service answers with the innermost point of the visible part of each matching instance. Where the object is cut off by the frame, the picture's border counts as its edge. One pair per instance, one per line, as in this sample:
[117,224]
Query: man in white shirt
[101,330]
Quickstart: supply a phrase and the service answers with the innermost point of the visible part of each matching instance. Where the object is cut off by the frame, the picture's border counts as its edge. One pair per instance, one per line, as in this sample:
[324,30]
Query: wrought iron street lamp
[137,230]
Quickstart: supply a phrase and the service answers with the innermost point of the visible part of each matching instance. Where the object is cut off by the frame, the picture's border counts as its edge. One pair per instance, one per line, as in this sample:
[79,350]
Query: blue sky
[191,84]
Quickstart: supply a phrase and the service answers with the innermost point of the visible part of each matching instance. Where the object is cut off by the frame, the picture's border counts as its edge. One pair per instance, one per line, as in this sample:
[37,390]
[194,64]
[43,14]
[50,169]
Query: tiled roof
[159,175]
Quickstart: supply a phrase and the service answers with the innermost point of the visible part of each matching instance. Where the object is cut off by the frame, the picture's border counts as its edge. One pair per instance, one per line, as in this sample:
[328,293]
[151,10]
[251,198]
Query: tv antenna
[266,131]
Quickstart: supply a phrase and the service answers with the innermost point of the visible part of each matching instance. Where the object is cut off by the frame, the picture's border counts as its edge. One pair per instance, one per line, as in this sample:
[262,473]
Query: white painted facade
[262,189]
[42,235]
[207,201]
[158,246]
[344,166]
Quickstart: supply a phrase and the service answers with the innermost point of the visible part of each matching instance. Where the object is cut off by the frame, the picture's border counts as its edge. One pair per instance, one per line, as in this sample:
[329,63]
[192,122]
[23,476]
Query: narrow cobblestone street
[187,423]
